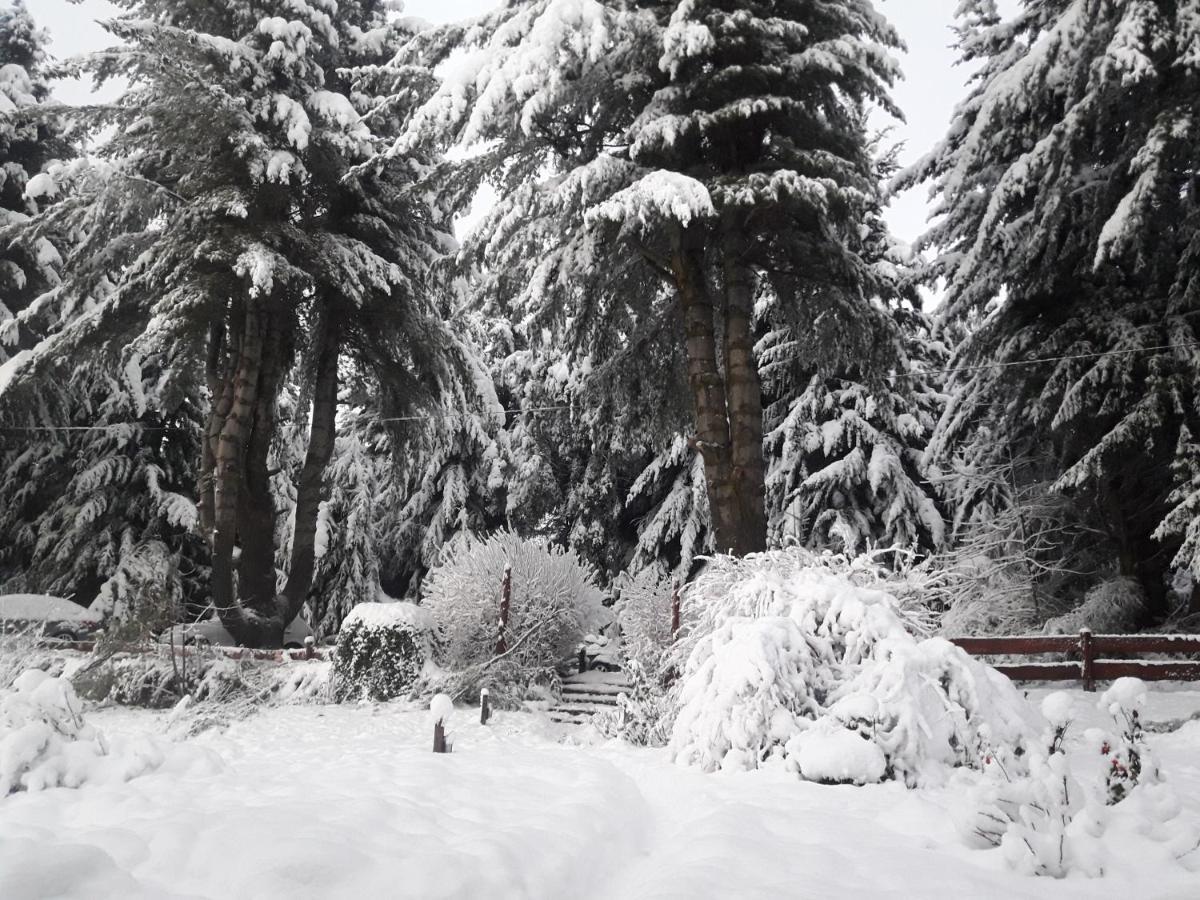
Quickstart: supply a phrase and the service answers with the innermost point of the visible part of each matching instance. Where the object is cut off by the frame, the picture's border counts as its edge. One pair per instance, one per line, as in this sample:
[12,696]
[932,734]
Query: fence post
[674,608]
[1087,653]
[583,665]
[485,707]
[505,605]
[310,644]
[439,737]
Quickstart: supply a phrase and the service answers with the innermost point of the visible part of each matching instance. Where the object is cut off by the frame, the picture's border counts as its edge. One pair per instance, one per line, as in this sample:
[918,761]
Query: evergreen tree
[846,469]
[247,248]
[1069,205]
[660,165]
[31,141]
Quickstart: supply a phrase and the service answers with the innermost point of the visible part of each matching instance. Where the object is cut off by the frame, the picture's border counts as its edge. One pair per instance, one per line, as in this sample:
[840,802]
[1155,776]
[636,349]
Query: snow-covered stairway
[588,693]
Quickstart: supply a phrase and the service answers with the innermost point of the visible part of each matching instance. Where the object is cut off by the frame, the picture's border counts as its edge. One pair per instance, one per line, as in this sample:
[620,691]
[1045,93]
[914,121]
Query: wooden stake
[1087,656]
[505,606]
[485,707]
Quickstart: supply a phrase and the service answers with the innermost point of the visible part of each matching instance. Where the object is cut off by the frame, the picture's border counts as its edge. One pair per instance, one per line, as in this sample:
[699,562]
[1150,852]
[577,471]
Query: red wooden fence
[194,650]
[1101,657]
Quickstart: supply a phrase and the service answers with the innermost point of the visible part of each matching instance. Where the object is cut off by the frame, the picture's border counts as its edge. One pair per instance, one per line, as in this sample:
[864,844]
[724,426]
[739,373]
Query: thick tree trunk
[257,583]
[707,387]
[228,464]
[310,489]
[744,391]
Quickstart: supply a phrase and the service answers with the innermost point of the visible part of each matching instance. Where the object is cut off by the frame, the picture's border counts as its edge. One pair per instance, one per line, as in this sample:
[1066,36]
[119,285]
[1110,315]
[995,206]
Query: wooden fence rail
[196,650]
[1099,657]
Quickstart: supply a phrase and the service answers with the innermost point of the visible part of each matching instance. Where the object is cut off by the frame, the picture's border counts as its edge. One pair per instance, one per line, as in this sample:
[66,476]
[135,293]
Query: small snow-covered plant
[1128,757]
[642,714]
[1054,812]
[45,741]
[1028,807]
[554,604]
[644,615]
[382,649]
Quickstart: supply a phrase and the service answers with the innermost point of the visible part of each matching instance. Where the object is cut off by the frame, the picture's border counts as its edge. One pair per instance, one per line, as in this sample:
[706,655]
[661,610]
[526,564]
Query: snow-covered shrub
[1054,812]
[641,715]
[555,602]
[643,614]
[785,657]
[382,649]
[45,741]
[928,705]
[1111,607]
[745,691]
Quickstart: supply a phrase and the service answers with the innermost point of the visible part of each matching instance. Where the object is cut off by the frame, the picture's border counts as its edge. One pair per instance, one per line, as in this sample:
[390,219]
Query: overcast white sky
[928,94]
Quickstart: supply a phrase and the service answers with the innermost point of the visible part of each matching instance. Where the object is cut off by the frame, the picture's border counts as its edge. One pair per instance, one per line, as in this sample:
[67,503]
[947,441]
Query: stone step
[592,687]
[597,699]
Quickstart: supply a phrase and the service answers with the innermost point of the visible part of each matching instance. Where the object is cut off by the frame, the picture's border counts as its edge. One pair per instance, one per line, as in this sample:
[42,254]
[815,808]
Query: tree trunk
[256,511]
[228,463]
[310,489]
[707,386]
[744,396]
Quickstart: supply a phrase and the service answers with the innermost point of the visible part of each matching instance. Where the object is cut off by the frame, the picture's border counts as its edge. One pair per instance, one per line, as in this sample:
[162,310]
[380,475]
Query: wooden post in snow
[485,707]
[1087,654]
[505,606]
[439,737]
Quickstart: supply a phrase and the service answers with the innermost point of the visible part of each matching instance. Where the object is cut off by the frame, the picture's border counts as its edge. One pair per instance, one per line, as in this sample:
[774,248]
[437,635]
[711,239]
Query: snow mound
[45,742]
[829,752]
[789,661]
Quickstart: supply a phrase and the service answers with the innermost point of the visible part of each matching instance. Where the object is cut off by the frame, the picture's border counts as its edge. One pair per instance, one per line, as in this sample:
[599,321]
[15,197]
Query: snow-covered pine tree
[247,246]
[1069,204]
[31,140]
[658,165]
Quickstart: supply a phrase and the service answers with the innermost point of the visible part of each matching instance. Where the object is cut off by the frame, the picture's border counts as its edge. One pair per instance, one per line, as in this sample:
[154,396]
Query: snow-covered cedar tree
[382,649]
[235,244]
[786,659]
[725,160]
[845,458]
[1067,230]
[583,438]
[398,493]
[45,742]
[554,604]
[1060,807]
[32,141]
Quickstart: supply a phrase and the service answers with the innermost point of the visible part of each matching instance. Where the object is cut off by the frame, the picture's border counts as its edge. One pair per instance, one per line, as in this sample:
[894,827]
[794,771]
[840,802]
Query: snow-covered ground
[346,801]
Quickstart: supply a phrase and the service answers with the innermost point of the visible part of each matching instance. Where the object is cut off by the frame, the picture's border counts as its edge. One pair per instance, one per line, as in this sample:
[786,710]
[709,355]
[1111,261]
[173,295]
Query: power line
[431,417]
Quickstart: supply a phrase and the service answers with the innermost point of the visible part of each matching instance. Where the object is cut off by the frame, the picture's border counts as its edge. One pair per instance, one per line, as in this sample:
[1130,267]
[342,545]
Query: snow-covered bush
[643,614]
[1114,606]
[554,603]
[641,715]
[382,649]
[1055,810]
[45,741]
[789,659]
